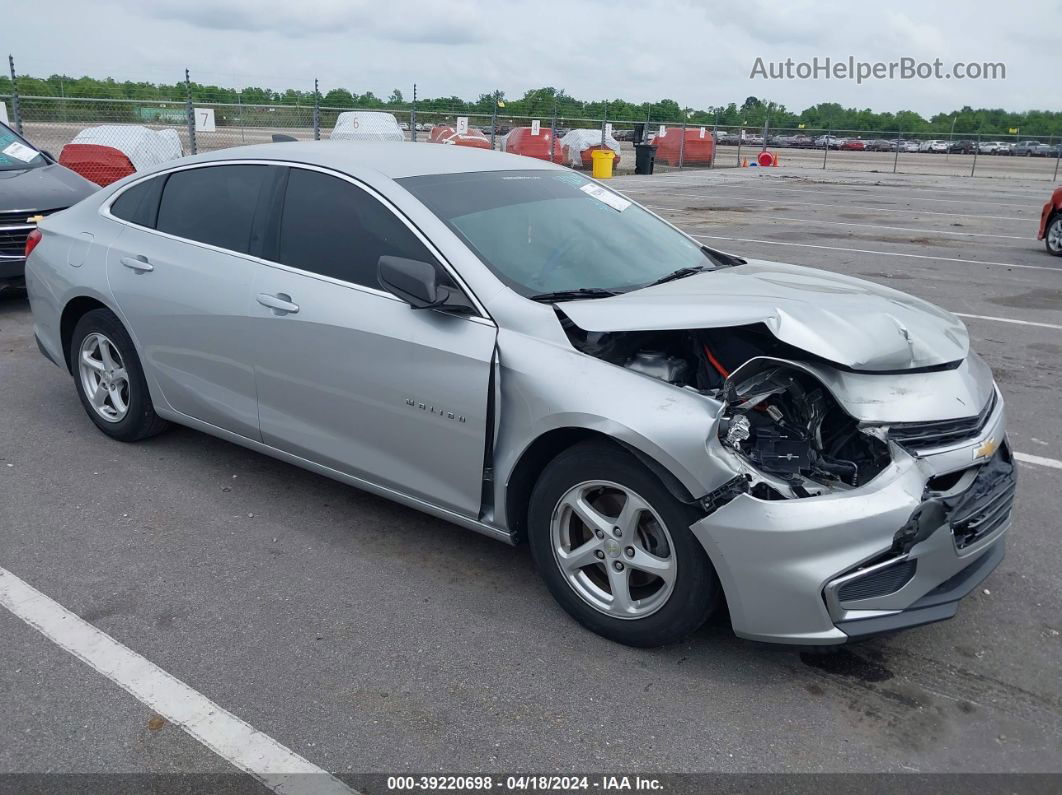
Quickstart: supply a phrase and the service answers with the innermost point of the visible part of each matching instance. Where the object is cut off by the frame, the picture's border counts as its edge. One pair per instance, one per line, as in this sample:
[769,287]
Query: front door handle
[138,263]
[280,303]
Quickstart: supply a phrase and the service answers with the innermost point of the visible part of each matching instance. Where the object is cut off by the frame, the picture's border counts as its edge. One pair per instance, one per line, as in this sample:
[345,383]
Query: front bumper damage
[892,554]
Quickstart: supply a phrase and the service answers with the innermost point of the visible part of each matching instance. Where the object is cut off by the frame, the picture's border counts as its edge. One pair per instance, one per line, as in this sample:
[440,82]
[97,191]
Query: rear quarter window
[140,203]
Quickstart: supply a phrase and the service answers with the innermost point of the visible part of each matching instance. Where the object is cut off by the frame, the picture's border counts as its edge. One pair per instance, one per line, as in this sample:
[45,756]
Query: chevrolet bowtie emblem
[986,449]
[34,219]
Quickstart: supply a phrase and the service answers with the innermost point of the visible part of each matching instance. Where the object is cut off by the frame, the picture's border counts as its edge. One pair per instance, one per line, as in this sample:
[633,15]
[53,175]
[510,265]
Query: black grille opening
[919,436]
[878,583]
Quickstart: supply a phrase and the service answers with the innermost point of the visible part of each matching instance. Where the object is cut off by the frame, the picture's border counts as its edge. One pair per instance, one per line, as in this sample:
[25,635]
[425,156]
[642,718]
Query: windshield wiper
[681,273]
[581,292]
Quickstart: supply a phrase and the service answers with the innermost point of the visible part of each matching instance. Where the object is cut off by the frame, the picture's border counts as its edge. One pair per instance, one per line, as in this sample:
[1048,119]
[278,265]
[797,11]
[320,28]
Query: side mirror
[413,281]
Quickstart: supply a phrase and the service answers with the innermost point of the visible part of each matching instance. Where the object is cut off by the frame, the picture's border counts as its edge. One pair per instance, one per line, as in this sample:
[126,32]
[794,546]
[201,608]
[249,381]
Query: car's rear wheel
[109,379]
[1053,237]
[615,548]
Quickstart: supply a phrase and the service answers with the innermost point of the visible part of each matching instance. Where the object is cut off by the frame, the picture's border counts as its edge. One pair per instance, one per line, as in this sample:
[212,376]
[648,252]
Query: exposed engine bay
[782,422]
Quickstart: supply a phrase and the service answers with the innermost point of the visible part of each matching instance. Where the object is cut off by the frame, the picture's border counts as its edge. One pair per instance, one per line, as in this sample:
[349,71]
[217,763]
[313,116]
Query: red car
[1051,224]
[854,145]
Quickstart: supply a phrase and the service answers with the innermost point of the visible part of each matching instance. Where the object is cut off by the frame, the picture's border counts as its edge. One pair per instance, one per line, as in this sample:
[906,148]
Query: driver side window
[332,228]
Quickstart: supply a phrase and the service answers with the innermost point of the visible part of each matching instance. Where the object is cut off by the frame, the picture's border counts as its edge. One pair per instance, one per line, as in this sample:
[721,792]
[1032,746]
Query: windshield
[16,153]
[552,231]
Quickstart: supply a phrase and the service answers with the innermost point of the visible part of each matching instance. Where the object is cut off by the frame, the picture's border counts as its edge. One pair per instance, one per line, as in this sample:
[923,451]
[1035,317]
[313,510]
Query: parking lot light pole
[15,110]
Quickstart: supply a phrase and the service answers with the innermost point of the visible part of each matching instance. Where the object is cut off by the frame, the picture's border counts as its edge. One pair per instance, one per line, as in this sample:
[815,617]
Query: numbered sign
[535,126]
[702,132]
[608,129]
[462,125]
[204,119]
[662,131]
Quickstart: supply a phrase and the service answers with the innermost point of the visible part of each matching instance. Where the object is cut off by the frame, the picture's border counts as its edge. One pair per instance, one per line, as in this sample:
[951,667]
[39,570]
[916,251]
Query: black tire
[1055,222]
[696,592]
[140,421]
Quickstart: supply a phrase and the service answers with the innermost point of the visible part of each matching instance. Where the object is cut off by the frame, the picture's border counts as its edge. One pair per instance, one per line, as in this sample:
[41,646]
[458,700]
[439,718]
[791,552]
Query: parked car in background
[854,145]
[880,145]
[963,147]
[506,344]
[990,147]
[32,187]
[833,142]
[1032,149]
[934,146]
[107,153]
[1004,148]
[1051,224]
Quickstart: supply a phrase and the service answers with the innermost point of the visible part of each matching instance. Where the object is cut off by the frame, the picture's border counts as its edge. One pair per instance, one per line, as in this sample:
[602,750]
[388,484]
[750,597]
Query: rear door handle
[280,302]
[138,263]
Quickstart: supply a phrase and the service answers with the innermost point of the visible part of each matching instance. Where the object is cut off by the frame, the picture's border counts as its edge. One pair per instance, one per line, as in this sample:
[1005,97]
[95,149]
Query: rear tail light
[32,240]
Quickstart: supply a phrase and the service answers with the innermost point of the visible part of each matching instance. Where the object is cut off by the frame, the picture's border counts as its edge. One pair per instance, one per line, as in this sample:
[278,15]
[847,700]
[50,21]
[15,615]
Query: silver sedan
[515,348]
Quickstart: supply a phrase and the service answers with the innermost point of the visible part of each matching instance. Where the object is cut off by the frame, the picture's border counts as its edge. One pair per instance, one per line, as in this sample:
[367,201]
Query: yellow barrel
[602,160]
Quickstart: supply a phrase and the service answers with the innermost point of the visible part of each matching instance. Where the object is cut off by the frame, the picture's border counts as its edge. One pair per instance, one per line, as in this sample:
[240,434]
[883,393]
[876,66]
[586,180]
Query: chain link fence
[67,126]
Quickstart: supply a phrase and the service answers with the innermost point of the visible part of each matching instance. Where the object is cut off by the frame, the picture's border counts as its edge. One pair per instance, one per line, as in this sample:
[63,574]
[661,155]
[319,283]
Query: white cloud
[693,52]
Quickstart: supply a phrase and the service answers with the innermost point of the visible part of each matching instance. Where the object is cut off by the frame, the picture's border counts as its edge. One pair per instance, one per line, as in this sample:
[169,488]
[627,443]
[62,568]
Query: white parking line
[880,253]
[743,184]
[868,226]
[1010,320]
[1038,460]
[906,210]
[278,768]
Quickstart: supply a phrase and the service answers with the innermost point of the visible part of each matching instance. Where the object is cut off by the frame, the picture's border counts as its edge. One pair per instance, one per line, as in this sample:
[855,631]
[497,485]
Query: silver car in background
[515,348]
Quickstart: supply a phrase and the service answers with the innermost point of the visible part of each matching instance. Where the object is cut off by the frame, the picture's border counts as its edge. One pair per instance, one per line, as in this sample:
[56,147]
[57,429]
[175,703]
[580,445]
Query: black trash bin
[644,158]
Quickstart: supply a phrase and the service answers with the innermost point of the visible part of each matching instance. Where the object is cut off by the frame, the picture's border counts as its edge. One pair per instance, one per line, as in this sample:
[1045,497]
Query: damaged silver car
[515,348]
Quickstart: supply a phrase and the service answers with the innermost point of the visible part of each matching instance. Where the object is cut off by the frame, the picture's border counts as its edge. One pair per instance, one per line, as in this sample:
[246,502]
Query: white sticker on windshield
[20,151]
[605,196]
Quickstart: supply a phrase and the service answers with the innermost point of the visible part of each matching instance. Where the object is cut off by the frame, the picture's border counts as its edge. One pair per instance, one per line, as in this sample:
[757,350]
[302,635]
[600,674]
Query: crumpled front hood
[848,321]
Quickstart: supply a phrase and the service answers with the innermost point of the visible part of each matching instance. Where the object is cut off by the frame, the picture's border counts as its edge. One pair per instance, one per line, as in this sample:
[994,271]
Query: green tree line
[543,102]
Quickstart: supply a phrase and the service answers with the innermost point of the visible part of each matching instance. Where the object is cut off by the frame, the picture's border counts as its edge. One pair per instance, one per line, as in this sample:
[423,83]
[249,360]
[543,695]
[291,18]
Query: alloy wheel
[104,377]
[613,549]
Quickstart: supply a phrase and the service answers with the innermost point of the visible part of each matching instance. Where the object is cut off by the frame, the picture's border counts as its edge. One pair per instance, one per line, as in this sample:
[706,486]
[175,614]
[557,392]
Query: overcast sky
[697,53]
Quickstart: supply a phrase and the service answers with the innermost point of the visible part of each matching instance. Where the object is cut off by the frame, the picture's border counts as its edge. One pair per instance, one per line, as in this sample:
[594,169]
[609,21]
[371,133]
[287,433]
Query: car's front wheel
[1053,238]
[615,548]
[110,380]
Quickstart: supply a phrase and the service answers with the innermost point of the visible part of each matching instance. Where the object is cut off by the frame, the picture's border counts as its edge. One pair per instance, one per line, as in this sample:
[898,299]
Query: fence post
[1058,156]
[715,139]
[741,137]
[604,119]
[682,141]
[316,111]
[896,157]
[413,117]
[553,135]
[826,146]
[977,148]
[16,112]
[189,112]
[766,130]
[494,119]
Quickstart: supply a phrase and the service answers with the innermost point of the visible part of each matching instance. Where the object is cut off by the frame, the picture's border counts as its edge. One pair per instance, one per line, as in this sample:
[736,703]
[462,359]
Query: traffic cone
[745,163]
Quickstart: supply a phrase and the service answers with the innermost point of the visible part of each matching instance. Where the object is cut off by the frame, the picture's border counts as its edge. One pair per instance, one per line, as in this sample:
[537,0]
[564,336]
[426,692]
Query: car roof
[391,159]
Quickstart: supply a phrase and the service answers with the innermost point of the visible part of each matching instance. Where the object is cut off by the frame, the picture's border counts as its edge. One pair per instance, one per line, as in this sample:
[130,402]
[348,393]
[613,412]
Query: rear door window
[333,228]
[214,204]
